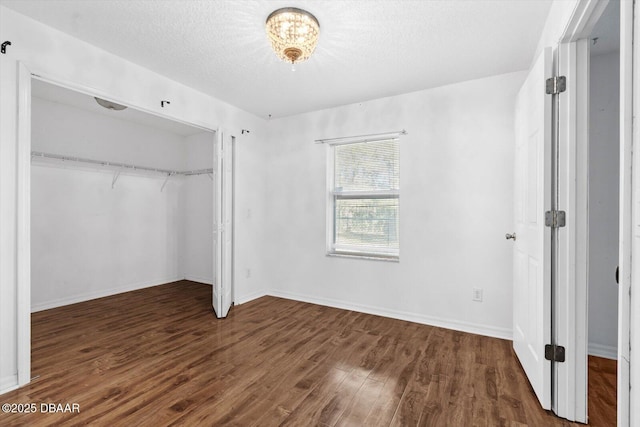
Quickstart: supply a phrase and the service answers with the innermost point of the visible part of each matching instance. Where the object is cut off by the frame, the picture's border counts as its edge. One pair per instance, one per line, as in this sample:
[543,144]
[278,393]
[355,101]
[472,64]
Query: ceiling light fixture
[109,105]
[293,33]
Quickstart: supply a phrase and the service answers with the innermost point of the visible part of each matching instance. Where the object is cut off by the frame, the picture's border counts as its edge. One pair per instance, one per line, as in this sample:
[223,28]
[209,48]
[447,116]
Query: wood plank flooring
[602,391]
[158,356]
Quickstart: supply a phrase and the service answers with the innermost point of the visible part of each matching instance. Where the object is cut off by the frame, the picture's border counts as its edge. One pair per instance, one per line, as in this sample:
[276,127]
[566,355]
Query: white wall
[60,57]
[604,164]
[197,254]
[88,239]
[456,205]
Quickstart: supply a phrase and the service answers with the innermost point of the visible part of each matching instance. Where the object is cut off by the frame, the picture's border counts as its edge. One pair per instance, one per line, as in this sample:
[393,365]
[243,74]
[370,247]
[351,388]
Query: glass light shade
[293,33]
[109,105]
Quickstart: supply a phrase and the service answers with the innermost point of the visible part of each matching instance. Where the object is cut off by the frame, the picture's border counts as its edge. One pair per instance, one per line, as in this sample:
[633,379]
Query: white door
[227,219]
[217,229]
[223,236]
[531,270]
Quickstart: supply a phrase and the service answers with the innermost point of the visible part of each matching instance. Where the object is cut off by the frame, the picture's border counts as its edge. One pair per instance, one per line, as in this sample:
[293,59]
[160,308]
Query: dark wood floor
[159,357]
[602,391]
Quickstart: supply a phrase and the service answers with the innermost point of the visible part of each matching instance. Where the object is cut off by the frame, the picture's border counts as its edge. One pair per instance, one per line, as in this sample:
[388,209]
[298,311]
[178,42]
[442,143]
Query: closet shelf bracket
[116,175]
[169,175]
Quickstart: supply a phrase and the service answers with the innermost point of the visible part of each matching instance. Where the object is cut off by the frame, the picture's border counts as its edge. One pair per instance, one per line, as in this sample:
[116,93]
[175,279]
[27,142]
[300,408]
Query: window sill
[372,257]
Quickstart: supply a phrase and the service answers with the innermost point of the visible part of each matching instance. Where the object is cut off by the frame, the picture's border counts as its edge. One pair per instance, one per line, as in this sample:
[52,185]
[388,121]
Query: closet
[120,199]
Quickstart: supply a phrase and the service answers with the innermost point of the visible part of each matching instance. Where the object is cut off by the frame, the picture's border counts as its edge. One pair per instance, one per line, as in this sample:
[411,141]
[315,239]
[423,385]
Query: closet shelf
[124,166]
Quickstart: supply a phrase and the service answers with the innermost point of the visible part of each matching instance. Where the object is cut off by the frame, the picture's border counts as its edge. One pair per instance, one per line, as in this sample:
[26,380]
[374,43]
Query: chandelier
[293,33]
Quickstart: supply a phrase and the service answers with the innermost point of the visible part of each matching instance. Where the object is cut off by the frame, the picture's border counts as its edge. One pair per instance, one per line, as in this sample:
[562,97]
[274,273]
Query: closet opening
[120,200]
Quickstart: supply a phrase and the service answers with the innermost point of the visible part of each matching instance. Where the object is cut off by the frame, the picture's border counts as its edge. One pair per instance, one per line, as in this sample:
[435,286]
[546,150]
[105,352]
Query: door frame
[572,305]
[629,313]
[23,198]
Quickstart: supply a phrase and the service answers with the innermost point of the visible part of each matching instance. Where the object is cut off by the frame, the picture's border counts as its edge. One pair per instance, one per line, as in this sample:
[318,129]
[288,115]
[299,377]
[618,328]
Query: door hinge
[555,353]
[556,85]
[555,219]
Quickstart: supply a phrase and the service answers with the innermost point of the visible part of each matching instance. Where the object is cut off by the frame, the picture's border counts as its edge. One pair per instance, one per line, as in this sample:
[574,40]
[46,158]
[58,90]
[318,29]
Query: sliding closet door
[217,227]
[223,236]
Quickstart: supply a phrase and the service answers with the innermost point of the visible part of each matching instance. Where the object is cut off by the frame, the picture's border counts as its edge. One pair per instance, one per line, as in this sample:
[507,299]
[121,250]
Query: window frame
[332,196]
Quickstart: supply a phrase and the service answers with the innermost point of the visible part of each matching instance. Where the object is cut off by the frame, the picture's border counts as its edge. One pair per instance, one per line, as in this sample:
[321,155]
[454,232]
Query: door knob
[510,236]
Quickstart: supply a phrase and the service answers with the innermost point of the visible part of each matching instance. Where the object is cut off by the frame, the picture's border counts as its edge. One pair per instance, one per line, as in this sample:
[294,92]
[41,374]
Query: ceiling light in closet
[293,33]
[109,105]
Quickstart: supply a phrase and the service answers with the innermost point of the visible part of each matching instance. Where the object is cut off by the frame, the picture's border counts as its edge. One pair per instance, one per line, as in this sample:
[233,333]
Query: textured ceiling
[368,48]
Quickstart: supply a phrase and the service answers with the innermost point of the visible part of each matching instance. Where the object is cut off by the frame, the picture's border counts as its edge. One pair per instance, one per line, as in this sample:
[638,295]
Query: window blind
[365,195]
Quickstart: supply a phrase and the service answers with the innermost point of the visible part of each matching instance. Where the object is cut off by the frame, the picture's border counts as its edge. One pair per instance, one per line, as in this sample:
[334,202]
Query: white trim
[243,299]
[369,251]
[629,54]
[629,317]
[606,351]
[8,383]
[23,220]
[456,325]
[60,302]
[367,256]
[584,17]
[199,279]
[234,256]
[330,176]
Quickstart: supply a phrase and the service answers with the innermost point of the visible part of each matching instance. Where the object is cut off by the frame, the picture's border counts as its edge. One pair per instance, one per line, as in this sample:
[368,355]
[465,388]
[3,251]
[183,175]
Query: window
[363,199]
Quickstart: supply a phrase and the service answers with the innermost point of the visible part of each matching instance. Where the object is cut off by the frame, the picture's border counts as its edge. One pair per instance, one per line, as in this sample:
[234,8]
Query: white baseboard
[243,299]
[46,305]
[457,325]
[606,351]
[199,279]
[8,383]
[490,331]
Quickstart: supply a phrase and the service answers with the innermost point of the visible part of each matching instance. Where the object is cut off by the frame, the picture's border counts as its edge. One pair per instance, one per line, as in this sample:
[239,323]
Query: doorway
[130,167]
[603,214]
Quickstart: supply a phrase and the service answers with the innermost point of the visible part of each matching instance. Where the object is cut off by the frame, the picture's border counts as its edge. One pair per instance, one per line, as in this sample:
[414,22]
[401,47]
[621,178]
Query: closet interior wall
[198,249]
[93,237]
[604,176]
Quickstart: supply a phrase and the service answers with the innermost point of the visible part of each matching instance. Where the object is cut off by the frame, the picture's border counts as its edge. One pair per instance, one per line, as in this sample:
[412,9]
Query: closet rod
[119,165]
[361,138]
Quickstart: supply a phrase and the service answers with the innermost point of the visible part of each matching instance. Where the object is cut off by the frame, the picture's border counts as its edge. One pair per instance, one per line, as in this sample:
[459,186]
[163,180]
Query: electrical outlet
[477,294]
